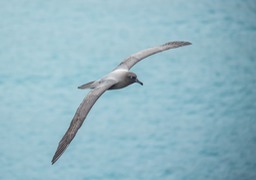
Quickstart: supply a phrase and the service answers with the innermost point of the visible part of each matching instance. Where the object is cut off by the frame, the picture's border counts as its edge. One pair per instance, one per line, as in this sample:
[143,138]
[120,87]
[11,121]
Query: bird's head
[132,78]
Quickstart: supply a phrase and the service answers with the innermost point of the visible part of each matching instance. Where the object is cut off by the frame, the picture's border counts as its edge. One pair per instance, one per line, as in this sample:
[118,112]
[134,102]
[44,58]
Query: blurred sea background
[194,118]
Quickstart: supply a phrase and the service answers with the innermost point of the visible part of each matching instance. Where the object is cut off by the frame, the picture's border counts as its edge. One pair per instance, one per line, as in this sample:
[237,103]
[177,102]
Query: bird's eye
[132,77]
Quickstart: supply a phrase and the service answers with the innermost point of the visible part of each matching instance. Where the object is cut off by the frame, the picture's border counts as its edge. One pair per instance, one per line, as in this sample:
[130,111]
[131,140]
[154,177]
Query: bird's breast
[119,85]
[119,75]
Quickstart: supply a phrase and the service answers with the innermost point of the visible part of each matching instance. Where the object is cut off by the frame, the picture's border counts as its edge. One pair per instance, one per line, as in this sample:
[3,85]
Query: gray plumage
[119,78]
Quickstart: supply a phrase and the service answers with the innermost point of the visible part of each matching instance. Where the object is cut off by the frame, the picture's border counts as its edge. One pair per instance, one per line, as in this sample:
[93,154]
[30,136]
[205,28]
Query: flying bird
[118,78]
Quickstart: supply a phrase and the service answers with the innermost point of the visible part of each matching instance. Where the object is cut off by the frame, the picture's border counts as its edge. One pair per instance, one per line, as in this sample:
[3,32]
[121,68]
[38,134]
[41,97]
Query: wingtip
[177,43]
[53,160]
[56,156]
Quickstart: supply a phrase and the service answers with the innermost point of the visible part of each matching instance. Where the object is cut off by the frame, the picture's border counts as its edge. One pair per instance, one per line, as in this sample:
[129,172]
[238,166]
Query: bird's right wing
[80,116]
[129,62]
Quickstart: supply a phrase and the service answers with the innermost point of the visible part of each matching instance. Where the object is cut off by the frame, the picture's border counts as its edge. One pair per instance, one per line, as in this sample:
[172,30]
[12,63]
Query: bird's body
[119,78]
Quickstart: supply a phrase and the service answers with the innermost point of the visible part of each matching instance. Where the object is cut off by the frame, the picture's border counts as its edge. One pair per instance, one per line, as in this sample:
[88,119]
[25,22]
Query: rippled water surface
[194,118]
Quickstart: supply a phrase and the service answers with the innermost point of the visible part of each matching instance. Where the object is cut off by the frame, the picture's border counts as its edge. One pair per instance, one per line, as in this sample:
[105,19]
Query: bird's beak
[137,81]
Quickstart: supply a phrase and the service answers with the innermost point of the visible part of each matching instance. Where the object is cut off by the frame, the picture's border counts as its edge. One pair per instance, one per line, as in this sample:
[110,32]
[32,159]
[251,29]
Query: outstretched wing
[80,116]
[129,62]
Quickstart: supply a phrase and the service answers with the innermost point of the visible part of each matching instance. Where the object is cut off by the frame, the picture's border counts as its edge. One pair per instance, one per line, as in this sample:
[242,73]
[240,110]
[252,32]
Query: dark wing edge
[80,116]
[129,62]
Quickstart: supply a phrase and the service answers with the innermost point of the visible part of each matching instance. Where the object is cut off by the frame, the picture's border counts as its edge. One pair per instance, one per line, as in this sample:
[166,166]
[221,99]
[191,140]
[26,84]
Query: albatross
[118,78]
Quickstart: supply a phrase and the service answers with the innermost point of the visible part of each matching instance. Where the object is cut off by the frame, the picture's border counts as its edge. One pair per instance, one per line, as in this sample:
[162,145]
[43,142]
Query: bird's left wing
[129,62]
[80,116]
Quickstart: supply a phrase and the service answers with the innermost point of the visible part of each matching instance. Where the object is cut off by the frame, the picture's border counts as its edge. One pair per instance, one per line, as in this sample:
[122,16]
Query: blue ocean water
[194,118]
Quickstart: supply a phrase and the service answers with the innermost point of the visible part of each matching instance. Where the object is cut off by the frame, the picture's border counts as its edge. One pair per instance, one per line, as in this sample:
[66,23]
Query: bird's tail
[87,85]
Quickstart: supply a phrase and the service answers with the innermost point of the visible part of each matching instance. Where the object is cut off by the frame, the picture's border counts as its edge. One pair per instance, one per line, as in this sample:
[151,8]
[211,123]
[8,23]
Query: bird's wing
[80,116]
[129,62]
